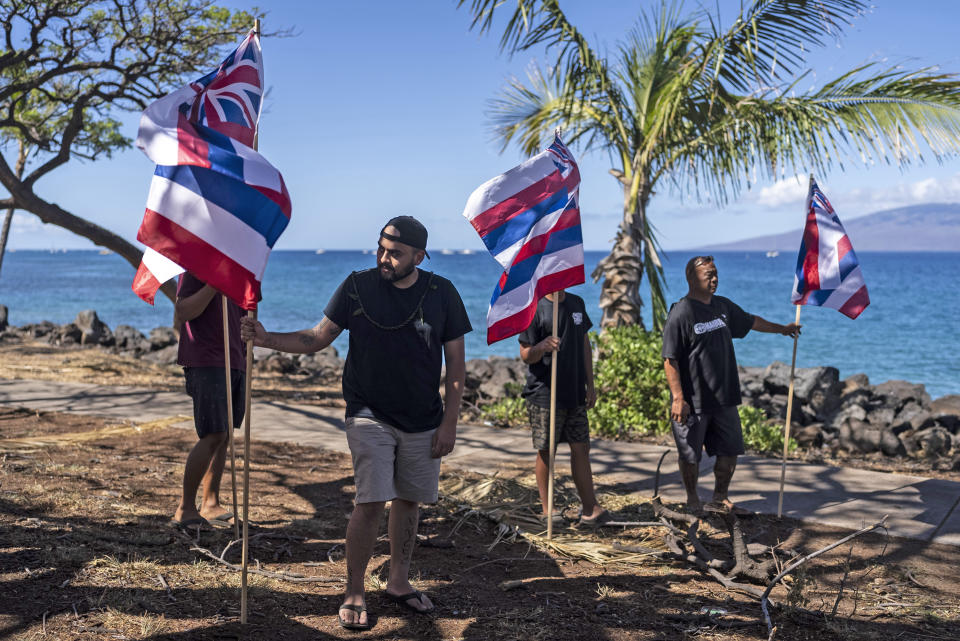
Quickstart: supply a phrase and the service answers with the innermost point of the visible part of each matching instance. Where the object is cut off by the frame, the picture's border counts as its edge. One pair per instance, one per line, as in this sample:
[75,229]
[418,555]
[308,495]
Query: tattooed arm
[304,341]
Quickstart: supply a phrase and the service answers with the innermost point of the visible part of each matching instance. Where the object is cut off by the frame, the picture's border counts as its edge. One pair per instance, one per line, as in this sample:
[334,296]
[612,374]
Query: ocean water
[909,331]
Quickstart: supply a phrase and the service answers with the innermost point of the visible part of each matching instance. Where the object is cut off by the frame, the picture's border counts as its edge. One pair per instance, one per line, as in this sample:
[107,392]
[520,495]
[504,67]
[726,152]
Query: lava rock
[161,338]
[94,331]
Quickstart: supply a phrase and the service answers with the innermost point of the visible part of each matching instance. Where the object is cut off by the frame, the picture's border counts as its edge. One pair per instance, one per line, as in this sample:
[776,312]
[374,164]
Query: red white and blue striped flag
[828,272]
[216,206]
[529,220]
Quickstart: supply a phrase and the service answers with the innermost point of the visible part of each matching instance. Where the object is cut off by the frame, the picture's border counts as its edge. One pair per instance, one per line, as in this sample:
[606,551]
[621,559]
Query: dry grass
[88,554]
[124,429]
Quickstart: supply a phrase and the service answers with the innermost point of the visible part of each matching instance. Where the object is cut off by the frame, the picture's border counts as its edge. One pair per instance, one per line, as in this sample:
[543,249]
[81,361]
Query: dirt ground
[87,552]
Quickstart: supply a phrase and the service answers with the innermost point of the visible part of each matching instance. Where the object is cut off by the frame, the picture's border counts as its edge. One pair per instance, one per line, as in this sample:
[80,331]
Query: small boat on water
[319,251]
[466,252]
[107,252]
[447,252]
[773,253]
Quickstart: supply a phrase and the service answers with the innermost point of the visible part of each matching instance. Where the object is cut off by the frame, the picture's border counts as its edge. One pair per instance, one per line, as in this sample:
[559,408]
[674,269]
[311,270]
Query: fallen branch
[639,549]
[283,576]
[674,546]
[166,586]
[656,477]
[790,568]
[743,563]
[511,559]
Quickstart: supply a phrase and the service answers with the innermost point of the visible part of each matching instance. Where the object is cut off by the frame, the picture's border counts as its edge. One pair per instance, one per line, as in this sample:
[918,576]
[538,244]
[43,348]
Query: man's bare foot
[410,598]
[216,513]
[349,616]
[188,513]
[592,514]
[726,505]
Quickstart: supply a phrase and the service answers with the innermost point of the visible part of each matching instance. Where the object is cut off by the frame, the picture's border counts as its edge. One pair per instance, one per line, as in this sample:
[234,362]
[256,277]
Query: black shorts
[571,425]
[207,386]
[719,431]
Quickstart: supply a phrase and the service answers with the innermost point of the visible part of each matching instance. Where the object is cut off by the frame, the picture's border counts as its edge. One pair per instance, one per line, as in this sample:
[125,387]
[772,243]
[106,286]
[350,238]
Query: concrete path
[918,508]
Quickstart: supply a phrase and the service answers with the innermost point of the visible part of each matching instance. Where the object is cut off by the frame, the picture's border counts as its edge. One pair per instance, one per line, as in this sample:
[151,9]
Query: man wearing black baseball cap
[404,322]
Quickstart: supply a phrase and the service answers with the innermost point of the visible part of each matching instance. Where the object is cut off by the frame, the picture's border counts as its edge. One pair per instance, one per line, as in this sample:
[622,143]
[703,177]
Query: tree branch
[882,523]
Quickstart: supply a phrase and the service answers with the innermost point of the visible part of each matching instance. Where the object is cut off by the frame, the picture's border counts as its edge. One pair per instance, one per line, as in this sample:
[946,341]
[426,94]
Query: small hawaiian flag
[828,272]
[529,220]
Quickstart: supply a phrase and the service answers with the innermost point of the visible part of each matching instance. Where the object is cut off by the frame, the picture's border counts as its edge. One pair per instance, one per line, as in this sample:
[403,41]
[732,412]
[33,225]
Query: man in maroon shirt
[199,311]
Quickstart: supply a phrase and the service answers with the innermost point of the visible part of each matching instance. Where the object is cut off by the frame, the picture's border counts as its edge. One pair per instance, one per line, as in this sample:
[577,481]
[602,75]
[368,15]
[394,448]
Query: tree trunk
[8,219]
[54,215]
[622,271]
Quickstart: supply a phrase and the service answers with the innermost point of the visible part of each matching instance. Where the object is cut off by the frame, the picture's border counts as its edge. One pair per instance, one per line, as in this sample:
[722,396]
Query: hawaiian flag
[216,206]
[828,273]
[529,220]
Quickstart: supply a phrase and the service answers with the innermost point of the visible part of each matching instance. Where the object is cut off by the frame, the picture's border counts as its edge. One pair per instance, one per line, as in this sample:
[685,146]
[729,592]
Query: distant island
[934,227]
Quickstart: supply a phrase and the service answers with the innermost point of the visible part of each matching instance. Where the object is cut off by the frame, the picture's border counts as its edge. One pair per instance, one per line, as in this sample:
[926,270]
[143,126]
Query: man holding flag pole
[529,220]
[701,370]
[828,275]
[404,322]
[216,208]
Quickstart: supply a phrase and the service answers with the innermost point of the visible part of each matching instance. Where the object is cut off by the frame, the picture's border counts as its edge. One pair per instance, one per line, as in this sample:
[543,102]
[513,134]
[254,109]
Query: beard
[391,275]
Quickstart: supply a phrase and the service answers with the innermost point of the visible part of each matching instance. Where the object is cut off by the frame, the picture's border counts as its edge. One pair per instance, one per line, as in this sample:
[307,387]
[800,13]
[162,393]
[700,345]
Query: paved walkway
[918,507]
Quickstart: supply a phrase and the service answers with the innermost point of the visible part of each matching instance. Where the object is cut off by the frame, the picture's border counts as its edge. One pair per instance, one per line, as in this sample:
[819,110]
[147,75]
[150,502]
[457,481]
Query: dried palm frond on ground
[113,431]
[513,504]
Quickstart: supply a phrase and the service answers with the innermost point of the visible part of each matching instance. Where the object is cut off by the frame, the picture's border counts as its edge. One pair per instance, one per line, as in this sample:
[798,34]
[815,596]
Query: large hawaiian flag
[529,220]
[828,272]
[216,206]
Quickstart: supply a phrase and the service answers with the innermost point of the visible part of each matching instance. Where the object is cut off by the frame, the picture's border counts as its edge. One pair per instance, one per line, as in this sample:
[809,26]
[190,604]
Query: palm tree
[687,104]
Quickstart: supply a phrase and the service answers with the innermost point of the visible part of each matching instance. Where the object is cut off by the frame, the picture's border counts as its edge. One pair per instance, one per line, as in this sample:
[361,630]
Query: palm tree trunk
[622,269]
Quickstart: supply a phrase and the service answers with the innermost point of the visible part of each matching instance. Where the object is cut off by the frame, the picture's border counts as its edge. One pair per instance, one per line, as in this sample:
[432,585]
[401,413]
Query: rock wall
[895,418]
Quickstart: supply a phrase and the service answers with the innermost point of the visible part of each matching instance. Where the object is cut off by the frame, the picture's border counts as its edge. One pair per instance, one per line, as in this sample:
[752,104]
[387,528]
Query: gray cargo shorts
[392,464]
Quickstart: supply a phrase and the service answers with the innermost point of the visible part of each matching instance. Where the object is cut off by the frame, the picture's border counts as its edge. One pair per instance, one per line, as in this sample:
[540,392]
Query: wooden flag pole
[786,427]
[233,457]
[553,419]
[246,433]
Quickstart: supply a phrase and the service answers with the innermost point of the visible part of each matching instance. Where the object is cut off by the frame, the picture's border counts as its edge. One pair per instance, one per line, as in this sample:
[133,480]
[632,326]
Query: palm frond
[529,112]
[892,116]
[770,38]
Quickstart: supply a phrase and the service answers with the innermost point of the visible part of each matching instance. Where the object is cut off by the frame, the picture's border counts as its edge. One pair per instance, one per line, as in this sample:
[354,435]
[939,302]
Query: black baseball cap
[410,231]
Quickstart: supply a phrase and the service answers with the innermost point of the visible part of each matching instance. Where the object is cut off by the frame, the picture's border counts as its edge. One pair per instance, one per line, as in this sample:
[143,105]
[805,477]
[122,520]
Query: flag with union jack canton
[216,206]
[529,220]
[828,272]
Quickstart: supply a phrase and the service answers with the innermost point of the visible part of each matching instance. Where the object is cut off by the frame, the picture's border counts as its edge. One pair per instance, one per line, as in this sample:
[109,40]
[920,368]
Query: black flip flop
[402,599]
[197,524]
[721,508]
[353,625]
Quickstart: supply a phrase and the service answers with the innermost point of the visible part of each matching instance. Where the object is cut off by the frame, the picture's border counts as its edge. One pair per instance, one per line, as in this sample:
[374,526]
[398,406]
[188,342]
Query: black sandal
[402,599]
[353,625]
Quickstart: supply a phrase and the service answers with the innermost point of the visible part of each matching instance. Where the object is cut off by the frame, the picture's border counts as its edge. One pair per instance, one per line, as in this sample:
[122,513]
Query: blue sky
[377,108]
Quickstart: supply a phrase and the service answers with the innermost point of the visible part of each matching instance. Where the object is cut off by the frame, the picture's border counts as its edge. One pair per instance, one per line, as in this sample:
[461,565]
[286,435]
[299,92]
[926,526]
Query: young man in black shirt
[403,322]
[701,370]
[575,394]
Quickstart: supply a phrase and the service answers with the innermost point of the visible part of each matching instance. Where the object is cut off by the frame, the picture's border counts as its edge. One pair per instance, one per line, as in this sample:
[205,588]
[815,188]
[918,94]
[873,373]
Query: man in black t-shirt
[701,370]
[403,323]
[575,394]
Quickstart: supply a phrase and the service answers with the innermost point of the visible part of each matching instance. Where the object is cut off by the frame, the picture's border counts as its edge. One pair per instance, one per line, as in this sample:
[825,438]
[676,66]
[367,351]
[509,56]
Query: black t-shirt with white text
[699,337]
[392,372]
[573,323]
